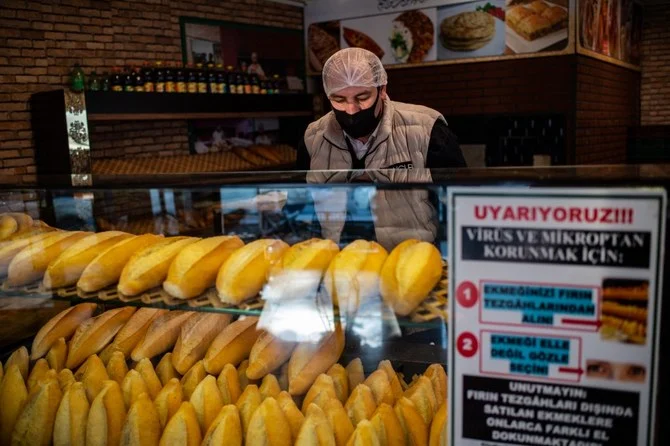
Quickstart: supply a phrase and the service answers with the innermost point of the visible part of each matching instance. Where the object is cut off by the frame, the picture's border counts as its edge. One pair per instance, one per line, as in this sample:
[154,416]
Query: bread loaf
[105,269]
[168,400]
[394,381]
[355,373]
[195,268]
[13,397]
[71,417]
[106,417]
[421,393]
[225,429]
[40,369]
[247,404]
[323,384]
[94,334]
[339,421]
[117,368]
[149,267]
[268,354]
[9,249]
[65,379]
[409,275]
[364,435]
[134,331]
[57,355]
[361,404]
[232,345]
[207,402]
[312,255]
[94,377]
[379,383]
[161,334]
[269,387]
[268,426]
[132,387]
[229,385]
[20,358]
[315,431]
[13,222]
[35,424]
[413,425]
[141,427]
[294,417]
[438,428]
[67,268]
[146,370]
[353,275]
[165,370]
[183,428]
[32,261]
[197,333]
[387,426]
[309,360]
[244,273]
[63,325]
[438,379]
[192,378]
[340,381]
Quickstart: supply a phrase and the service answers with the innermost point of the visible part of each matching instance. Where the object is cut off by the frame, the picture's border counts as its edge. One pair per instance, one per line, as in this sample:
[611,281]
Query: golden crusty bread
[246,270]
[57,355]
[378,382]
[105,269]
[106,416]
[323,384]
[438,379]
[132,387]
[207,402]
[195,268]
[355,373]
[8,250]
[269,387]
[229,385]
[309,360]
[192,378]
[294,417]
[13,397]
[364,435]
[313,255]
[71,417]
[316,430]
[268,426]
[225,429]
[63,325]
[165,370]
[148,373]
[197,334]
[438,428]
[387,426]
[361,404]
[340,380]
[149,267]
[66,269]
[396,386]
[13,222]
[65,379]
[421,393]
[232,346]
[247,404]
[141,427]
[35,424]
[339,421]
[168,400]
[242,375]
[37,373]
[29,264]
[132,333]
[183,428]
[268,354]
[161,335]
[20,358]
[94,334]
[94,377]
[413,425]
[117,369]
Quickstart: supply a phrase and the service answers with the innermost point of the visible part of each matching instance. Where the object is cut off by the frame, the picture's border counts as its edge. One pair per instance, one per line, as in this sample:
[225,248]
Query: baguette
[339,421]
[168,400]
[309,360]
[32,261]
[394,381]
[438,379]
[438,428]
[9,250]
[387,426]
[355,373]
[67,268]
[232,345]
[161,334]
[244,273]
[13,397]
[229,385]
[242,375]
[195,268]
[105,419]
[340,381]
[247,404]
[413,425]
[323,384]
[192,378]
[225,429]
[315,431]
[146,370]
[133,332]
[183,428]
[20,358]
[379,383]
[207,402]
[117,368]
[268,426]
[63,325]
[149,267]
[310,255]
[57,355]
[93,335]
[421,393]
[38,372]
[94,377]
[269,387]
[268,354]
[71,417]
[141,427]
[13,222]
[36,423]
[165,370]
[105,269]
[361,404]
[197,333]
[364,435]
[294,417]
[65,379]
[132,387]
[282,377]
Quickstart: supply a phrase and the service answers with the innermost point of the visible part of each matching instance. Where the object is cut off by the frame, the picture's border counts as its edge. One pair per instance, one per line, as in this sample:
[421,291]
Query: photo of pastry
[472,30]
[617,371]
[536,26]
[422,32]
[624,311]
[323,40]
[359,39]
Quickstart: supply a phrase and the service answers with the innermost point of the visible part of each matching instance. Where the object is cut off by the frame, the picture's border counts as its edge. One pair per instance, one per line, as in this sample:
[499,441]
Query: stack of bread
[185,267]
[149,376]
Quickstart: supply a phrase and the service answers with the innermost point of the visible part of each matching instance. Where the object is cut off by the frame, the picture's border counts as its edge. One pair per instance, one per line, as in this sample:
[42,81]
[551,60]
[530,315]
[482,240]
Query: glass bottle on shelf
[239,80]
[275,84]
[77,78]
[138,80]
[202,79]
[128,84]
[232,81]
[149,81]
[255,84]
[192,81]
[247,84]
[116,82]
[212,82]
[221,80]
[264,87]
[93,82]
[159,78]
[170,84]
[181,80]
[104,83]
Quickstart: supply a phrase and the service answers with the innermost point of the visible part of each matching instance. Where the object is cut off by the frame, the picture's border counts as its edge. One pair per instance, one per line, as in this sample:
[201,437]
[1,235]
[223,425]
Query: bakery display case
[290,307]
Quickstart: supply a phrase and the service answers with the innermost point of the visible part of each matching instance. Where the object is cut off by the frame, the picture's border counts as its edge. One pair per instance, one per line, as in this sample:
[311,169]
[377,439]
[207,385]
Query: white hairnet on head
[352,67]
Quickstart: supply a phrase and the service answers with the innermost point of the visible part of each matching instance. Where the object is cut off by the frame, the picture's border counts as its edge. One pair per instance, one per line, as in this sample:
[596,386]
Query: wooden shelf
[171,116]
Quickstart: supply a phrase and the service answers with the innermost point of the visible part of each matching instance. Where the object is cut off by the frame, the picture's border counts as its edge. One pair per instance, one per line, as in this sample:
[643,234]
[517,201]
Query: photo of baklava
[537,19]
[624,310]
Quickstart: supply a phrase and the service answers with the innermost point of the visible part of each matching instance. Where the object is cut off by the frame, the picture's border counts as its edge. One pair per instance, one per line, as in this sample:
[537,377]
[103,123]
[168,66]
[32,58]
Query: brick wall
[40,41]
[655,89]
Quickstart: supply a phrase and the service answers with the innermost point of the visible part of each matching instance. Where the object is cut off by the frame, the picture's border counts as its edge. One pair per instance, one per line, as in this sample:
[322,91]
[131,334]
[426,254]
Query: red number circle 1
[467,294]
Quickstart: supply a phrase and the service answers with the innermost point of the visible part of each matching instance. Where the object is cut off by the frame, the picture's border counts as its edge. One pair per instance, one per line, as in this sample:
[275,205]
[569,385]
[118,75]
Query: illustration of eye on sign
[554,321]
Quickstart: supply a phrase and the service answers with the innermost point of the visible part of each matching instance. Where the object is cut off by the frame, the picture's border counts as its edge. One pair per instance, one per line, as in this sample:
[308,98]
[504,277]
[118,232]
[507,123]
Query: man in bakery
[366,130]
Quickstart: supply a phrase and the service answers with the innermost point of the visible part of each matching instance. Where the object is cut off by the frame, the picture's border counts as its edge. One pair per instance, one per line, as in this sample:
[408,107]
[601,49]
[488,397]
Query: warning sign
[553,325]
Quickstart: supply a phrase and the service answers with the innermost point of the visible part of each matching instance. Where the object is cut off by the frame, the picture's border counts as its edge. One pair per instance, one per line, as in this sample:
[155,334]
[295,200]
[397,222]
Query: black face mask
[361,123]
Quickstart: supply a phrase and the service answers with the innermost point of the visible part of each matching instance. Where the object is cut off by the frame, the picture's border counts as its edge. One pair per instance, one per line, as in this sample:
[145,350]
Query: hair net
[352,67]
